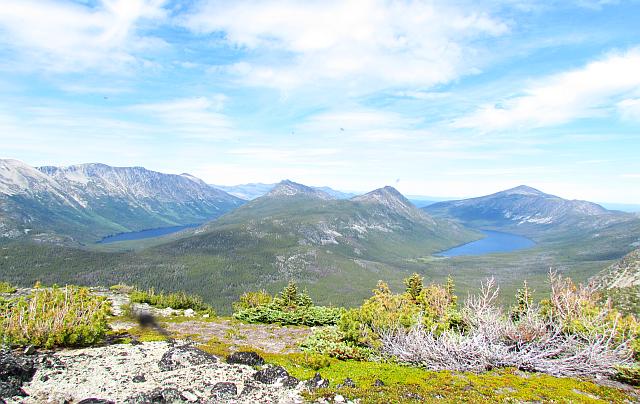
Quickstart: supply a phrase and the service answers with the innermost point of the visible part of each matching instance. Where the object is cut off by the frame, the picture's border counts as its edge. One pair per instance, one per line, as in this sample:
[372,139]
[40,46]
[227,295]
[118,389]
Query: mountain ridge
[525,207]
[85,202]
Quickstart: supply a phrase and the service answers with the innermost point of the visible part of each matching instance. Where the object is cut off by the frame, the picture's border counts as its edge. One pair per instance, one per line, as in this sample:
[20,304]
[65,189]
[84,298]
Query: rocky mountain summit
[395,202]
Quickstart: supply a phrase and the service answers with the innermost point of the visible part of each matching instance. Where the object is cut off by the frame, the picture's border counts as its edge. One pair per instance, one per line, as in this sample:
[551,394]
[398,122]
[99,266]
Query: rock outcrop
[151,372]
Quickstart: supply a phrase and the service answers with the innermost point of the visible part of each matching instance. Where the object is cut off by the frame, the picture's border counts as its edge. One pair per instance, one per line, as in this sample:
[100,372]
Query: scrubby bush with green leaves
[57,316]
[7,288]
[290,307]
[176,300]
[433,306]
[331,341]
[249,300]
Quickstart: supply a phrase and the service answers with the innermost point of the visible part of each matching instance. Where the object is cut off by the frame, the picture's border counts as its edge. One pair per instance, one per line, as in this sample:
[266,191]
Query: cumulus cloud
[362,42]
[586,92]
[67,36]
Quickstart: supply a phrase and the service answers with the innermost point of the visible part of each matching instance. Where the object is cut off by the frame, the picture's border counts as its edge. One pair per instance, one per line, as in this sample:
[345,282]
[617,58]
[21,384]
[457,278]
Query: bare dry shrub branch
[536,342]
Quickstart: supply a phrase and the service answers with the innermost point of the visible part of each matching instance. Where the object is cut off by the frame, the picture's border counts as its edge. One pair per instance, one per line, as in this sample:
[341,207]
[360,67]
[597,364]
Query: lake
[494,242]
[142,234]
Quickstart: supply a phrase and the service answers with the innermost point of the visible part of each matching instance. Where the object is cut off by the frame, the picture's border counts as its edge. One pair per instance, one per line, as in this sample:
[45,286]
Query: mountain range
[337,245]
[528,211]
[81,203]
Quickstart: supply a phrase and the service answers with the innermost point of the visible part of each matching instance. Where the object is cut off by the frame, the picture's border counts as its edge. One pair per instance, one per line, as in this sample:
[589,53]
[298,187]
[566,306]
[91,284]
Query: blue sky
[435,98]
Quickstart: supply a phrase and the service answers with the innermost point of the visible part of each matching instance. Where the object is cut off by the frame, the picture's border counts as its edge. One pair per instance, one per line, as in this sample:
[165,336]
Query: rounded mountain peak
[288,188]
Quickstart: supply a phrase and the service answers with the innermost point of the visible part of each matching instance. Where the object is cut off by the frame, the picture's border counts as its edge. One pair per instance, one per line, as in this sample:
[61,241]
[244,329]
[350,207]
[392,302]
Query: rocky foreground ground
[150,372]
[161,371]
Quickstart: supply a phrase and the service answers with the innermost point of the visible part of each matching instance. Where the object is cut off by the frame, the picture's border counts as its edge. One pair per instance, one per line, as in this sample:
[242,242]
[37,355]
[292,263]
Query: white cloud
[67,36]
[590,91]
[362,124]
[198,117]
[362,42]
[630,108]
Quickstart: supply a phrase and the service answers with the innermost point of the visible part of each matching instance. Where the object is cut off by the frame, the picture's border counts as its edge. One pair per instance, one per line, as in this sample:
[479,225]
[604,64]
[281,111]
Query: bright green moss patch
[144,334]
[218,348]
[495,386]
[411,384]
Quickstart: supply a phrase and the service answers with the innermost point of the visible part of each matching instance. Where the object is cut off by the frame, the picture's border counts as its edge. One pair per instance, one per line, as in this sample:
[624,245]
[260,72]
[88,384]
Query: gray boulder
[184,356]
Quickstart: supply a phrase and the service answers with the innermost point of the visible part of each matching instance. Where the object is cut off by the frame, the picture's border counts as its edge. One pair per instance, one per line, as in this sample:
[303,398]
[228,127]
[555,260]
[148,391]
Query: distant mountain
[246,191]
[255,190]
[298,232]
[625,207]
[87,201]
[527,209]
[288,188]
[316,218]
[388,198]
[621,282]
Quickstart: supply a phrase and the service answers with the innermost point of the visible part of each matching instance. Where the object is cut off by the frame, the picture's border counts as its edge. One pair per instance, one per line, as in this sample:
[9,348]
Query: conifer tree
[414,285]
[524,299]
[451,291]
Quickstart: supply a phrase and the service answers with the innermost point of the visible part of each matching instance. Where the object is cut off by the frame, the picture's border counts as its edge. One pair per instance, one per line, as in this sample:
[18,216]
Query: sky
[440,98]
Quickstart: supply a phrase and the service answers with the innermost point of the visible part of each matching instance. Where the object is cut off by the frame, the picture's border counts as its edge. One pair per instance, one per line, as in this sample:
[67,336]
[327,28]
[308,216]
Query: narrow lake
[494,242]
[139,235]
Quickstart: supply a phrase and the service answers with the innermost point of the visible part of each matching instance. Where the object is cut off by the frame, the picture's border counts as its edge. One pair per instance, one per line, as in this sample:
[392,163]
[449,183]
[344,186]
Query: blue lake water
[139,235]
[494,242]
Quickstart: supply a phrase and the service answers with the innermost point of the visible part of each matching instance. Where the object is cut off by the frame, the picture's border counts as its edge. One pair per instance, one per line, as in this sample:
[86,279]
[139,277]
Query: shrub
[629,374]
[252,299]
[68,316]
[434,307]
[567,336]
[177,300]
[272,314]
[123,288]
[6,287]
[331,342]
[290,307]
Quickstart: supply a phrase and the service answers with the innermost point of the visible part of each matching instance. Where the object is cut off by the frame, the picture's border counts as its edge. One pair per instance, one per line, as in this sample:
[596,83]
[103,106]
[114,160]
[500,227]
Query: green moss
[408,384]
[217,347]
[145,334]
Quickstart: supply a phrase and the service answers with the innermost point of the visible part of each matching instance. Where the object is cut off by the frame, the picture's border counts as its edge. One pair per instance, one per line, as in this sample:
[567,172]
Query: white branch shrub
[537,341]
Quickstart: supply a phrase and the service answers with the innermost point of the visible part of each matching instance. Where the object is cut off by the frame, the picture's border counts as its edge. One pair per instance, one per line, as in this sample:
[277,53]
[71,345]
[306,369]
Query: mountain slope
[88,201]
[381,223]
[338,248]
[621,282]
[35,205]
[528,211]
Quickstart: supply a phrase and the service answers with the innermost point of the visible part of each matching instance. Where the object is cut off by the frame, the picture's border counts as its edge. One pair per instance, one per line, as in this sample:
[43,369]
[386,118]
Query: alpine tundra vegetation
[319,201]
